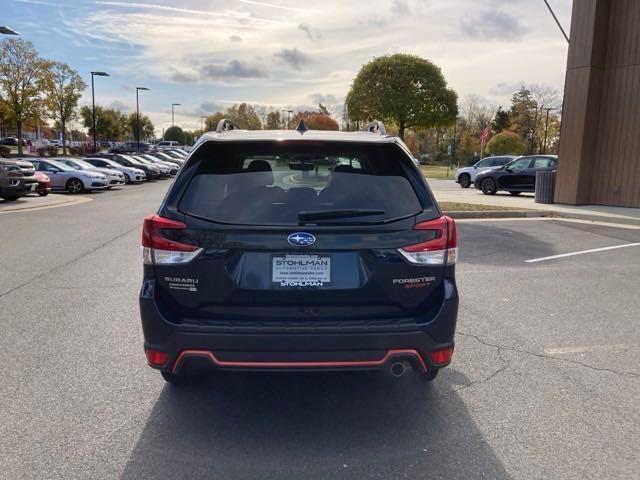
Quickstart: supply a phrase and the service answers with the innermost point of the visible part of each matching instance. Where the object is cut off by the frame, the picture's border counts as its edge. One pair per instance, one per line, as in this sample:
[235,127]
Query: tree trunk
[19,128]
[64,139]
[401,130]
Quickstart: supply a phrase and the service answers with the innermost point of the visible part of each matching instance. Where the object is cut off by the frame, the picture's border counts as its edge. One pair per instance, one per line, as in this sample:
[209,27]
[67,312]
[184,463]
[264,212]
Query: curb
[499,213]
[470,214]
[31,208]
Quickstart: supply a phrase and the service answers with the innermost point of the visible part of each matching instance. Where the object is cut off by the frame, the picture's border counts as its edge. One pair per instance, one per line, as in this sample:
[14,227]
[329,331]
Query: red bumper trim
[335,364]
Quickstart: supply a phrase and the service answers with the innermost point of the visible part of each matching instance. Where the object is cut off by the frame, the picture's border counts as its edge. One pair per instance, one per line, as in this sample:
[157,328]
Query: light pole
[172,112]
[8,31]
[138,118]
[546,129]
[202,118]
[288,112]
[93,107]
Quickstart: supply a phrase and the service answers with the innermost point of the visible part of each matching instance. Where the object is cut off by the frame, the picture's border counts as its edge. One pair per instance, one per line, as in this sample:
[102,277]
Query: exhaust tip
[398,369]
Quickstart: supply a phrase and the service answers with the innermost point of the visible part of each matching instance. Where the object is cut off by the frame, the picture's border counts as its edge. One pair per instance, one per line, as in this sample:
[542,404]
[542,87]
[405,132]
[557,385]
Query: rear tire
[430,375]
[175,379]
[74,186]
[127,179]
[515,194]
[488,186]
[465,180]
[43,194]
[10,198]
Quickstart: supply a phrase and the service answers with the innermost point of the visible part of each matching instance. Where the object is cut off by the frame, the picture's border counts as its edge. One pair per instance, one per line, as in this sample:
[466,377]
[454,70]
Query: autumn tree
[146,126]
[505,143]
[111,124]
[244,115]
[316,121]
[22,77]
[274,120]
[211,122]
[500,121]
[404,89]
[63,88]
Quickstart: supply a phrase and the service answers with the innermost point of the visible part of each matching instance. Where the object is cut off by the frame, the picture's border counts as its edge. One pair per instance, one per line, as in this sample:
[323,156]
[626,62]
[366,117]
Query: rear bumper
[203,347]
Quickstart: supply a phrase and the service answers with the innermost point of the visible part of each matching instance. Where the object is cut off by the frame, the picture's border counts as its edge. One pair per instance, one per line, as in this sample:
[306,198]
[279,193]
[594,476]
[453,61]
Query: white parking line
[593,348]
[581,252]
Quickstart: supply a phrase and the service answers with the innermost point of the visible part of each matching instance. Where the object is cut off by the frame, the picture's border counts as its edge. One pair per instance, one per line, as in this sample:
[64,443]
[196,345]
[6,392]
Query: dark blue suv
[298,250]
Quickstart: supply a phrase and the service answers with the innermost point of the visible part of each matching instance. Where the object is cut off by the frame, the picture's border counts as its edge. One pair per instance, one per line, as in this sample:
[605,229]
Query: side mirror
[507,169]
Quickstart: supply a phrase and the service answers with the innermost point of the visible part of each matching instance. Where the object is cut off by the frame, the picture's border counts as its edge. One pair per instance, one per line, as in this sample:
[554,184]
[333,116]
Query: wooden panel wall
[600,138]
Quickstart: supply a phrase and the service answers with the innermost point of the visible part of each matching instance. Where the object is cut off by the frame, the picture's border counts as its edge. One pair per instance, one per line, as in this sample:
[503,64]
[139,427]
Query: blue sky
[206,54]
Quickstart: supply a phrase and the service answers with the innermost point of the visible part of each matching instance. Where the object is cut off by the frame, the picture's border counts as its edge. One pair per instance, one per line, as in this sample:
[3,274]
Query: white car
[114,176]
[467,175]
[131,174]
[65,178]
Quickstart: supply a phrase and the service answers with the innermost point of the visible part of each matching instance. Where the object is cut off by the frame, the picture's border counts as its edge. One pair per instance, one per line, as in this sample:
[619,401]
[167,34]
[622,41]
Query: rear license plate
[301,270]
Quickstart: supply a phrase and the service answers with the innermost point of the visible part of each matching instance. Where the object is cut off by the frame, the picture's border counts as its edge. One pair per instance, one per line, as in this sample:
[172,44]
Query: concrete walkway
[449,191]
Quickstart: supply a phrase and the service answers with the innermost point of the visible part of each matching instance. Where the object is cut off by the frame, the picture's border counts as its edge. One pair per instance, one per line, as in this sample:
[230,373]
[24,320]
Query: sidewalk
[449,191]
[33,202]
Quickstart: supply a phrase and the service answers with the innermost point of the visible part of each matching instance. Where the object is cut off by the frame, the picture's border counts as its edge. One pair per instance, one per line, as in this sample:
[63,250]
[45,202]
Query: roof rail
[375,127]
[225,125]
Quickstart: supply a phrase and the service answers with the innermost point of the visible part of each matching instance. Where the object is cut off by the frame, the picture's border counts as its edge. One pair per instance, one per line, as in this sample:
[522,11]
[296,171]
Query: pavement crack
[547,357]
[66,264]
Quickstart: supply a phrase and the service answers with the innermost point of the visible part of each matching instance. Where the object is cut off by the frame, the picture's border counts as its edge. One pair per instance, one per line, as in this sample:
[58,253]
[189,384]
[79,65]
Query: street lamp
[173,105]
[93,106]
[288,112]
[8,31]
[202,117]
[138,118]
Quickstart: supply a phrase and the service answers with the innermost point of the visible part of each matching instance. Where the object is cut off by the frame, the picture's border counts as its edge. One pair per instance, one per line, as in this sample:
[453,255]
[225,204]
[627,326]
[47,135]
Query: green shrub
[506,143]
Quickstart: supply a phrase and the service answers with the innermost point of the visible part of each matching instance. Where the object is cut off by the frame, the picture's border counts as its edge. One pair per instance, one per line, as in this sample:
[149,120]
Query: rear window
[284,183]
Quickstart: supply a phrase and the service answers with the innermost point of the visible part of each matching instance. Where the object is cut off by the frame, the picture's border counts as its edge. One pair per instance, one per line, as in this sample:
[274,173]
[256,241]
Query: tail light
[156,358]
[440,250]
[159,250]
[441,357]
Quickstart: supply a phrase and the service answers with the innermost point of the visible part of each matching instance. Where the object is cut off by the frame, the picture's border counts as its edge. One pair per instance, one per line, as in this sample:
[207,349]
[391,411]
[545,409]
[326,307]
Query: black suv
[287,250]
[151,171]
[517,176]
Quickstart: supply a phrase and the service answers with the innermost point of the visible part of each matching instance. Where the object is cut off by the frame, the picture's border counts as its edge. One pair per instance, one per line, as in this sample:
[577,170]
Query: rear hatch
[297,230]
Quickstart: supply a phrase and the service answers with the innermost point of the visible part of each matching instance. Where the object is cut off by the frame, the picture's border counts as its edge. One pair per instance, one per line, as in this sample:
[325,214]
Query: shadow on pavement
[362,425]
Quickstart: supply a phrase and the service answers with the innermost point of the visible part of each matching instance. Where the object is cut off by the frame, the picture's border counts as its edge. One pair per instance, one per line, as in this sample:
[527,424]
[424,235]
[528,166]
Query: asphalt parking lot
[544,383]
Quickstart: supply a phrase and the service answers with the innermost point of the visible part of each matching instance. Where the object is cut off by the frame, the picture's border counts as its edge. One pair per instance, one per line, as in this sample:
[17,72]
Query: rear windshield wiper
[311,215]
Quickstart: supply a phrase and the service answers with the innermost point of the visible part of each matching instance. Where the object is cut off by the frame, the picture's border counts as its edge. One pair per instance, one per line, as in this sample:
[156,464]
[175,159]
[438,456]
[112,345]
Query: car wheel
[488,186]
[75,186]
[10,198]
[430,375]
[43,194]
[127,178]
[515,194]
[465,180]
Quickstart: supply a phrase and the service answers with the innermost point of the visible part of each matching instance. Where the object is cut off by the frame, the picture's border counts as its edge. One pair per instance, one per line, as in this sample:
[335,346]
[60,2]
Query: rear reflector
[440,250]
[156,358]
[441,357]
[159,250]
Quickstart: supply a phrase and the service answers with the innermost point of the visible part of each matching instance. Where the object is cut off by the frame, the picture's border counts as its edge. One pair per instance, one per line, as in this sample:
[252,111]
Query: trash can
[545,186]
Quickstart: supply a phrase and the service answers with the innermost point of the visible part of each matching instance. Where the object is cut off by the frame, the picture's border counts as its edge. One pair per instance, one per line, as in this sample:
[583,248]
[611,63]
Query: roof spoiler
[225,125]
[375,127]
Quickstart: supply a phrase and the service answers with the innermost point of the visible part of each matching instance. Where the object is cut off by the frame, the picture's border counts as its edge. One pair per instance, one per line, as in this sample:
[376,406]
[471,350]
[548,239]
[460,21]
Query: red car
[44,184]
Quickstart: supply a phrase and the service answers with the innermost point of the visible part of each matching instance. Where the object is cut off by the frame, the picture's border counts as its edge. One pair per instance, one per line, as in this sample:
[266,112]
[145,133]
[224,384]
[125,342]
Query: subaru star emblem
[301,239]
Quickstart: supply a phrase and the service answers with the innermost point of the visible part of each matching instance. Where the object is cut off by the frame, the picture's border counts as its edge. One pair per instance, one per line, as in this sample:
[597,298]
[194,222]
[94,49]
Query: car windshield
[132,160]
[284,184]
[83,164]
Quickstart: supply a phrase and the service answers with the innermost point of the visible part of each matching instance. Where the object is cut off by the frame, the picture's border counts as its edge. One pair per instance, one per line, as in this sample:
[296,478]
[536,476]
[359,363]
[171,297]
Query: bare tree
[22,73]
[63,88]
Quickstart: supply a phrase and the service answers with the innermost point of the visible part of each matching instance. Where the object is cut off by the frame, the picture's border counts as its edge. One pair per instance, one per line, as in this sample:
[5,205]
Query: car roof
[309,135]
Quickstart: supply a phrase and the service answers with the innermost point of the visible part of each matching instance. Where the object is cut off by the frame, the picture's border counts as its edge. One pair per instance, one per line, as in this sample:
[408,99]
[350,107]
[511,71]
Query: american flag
[484,135]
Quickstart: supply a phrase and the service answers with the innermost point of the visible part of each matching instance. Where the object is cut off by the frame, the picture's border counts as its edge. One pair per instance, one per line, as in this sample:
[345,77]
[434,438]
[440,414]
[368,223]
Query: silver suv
[467,175]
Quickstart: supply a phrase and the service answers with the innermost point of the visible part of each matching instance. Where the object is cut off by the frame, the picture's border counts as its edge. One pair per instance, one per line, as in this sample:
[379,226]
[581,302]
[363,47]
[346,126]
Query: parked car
[165,170]
[349,268]
[55,143]
[172,166]
[17,178]
[165,157]
[515,177]
[175,153]
[65,178]
[467,175]
[114,176]
[13,141]
[44,184]
[151,171]
[130,174]
[131,147]
[167,144]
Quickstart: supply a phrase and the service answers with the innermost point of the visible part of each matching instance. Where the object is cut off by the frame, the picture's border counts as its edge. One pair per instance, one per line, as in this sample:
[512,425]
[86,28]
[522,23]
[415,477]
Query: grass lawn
[438,171]
[475,207]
